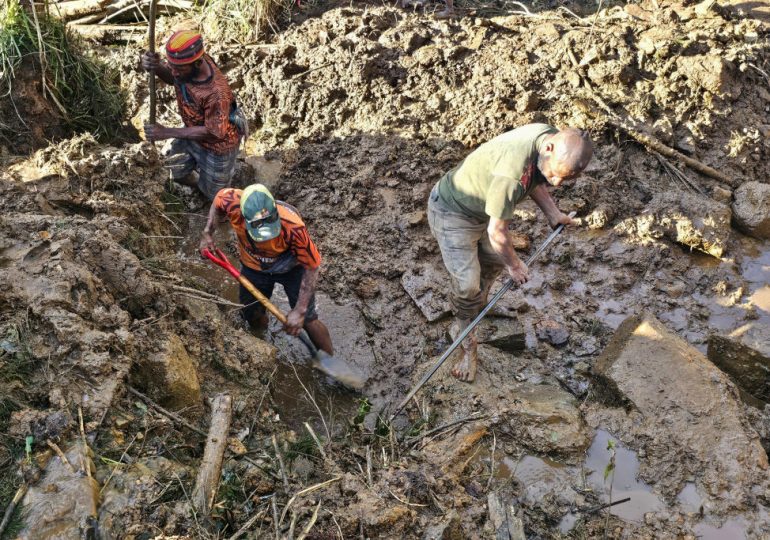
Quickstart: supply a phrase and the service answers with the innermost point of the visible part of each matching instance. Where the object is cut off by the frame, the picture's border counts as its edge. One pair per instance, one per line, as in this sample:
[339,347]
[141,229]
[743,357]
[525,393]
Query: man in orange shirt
[274,247]
[214,125]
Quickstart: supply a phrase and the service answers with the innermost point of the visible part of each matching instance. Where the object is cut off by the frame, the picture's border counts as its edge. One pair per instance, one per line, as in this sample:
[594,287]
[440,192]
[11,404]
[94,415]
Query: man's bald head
[564,155]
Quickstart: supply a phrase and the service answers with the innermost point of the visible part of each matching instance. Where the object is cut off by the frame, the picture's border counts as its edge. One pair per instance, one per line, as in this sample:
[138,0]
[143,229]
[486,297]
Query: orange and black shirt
[290,248]
[208,103]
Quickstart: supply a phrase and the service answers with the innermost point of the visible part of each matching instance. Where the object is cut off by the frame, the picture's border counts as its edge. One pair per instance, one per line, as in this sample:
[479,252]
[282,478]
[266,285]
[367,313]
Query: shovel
[322,361]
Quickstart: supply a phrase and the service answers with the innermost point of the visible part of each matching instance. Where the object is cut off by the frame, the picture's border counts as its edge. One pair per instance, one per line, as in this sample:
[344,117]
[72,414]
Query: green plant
[363,409]
[84,91]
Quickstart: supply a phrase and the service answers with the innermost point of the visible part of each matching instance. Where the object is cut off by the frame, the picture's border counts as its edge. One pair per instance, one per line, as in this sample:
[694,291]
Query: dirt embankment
[361,110]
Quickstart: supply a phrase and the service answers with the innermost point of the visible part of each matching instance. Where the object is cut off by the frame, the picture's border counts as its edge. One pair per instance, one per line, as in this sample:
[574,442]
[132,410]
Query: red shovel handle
[221,259]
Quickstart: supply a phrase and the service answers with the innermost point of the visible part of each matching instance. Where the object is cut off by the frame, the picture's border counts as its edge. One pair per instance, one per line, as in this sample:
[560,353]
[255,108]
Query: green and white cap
[258,209]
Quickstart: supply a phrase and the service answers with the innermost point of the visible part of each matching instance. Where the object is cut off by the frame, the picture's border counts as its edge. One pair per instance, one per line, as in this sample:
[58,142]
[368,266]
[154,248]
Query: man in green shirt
[471,207]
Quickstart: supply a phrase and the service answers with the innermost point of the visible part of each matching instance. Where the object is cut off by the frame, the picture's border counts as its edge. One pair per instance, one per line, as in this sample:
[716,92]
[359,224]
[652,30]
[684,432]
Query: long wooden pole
[216,443]
[151,36]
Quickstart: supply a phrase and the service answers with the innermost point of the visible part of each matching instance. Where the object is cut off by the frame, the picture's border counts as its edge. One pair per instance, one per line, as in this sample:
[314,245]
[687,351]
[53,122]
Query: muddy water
[301,393]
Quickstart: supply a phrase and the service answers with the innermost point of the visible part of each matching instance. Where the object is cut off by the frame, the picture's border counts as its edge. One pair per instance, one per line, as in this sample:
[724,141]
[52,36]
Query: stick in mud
[508,284]
[216,443]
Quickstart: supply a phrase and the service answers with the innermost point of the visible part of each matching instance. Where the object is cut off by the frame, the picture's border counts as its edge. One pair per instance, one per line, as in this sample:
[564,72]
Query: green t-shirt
[496,176]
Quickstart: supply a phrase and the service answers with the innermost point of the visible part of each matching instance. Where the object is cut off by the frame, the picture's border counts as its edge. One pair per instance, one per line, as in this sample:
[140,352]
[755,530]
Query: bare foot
[465,368]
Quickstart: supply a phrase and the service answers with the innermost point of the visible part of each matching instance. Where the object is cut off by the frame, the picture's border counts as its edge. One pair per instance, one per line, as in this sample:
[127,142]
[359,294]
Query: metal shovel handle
[468,329]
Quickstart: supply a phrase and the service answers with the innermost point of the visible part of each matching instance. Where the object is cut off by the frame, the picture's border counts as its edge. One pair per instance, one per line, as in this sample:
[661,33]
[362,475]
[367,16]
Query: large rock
[684,413]
[686,218]
[62,505]
[751,209]
[170,376]
[745,355]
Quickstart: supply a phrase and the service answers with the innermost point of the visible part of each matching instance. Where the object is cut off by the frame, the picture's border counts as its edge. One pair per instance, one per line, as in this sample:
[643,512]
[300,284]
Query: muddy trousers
[468,256]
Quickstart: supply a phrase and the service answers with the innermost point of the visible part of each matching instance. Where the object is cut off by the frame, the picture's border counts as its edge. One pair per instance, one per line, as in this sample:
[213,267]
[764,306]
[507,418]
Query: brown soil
[357,112]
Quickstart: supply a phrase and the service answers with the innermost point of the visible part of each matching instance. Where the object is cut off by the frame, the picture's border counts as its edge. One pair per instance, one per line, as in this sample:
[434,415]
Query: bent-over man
[471,208]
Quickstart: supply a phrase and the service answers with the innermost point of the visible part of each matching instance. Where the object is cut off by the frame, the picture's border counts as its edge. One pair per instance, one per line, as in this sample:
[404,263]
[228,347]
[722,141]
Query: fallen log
[216,443]
[110,33]
[74,9]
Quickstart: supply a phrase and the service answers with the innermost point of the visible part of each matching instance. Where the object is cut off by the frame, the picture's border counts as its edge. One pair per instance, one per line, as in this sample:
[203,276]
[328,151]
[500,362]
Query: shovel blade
[340,370]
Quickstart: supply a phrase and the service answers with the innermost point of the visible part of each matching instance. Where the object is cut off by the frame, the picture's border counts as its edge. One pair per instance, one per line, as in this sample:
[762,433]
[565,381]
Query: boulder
[686,218]
[751,209]
[744,355]
[685,413]
[170,376]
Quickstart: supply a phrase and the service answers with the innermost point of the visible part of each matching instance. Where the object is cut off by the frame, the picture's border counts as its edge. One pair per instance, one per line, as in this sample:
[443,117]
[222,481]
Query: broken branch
[207,481]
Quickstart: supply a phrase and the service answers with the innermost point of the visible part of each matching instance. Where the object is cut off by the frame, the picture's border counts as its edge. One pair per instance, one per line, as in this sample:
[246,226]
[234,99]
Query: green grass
[84,91]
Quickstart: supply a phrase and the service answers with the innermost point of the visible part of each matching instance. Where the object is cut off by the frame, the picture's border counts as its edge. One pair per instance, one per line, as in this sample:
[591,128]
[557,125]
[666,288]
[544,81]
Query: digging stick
[151,32]
[508,284]
[216,443]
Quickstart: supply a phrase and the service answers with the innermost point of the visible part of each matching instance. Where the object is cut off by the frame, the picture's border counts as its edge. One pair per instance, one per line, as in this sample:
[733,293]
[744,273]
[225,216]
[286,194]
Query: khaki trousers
[468,256]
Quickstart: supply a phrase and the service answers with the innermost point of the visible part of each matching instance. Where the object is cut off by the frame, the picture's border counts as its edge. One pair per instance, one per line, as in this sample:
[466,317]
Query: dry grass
[242,21]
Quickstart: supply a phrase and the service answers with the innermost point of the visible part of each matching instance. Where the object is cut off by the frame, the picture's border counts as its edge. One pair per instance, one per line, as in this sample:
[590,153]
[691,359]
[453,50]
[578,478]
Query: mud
[357,111]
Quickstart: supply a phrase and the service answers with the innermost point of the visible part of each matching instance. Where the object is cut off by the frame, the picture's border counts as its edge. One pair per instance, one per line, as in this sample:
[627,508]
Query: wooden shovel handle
[151,37]
[262,299]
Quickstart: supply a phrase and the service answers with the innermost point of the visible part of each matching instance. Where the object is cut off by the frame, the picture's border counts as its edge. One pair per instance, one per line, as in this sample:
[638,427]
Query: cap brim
[265,232]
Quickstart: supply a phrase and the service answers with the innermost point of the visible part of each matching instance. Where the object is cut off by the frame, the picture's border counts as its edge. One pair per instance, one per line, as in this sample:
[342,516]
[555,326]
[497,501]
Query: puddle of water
[689,499]
[625,483]
[732,529]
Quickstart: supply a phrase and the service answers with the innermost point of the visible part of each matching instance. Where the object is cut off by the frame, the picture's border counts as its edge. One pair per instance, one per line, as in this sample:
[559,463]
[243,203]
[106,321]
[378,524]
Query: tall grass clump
[242,21]
[84,91]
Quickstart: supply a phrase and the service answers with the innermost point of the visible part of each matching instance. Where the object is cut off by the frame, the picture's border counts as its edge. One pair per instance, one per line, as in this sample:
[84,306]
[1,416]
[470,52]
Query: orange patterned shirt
[293,246]
[207,103]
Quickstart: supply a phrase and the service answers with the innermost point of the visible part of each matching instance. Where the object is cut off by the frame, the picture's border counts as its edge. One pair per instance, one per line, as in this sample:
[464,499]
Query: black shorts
[265,282]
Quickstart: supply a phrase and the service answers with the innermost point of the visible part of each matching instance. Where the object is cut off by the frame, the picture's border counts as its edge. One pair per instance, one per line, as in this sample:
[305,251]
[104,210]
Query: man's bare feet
[465,368]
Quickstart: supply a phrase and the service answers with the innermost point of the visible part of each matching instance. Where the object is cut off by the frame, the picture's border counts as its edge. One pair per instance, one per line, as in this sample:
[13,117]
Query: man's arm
[295,320]
[543,199]
[215,216]
[501,243]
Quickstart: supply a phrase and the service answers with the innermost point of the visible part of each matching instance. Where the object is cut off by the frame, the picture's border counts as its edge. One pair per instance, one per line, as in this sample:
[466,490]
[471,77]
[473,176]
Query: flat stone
[752,209]
[504,333]
[685,412]
[425,287]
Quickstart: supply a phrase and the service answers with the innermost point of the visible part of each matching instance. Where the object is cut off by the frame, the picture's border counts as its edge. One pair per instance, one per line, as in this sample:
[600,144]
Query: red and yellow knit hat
[184,47]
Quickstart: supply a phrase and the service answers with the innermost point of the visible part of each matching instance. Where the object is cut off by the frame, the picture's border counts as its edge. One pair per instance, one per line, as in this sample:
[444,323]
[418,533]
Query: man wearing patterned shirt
[274,247]
[214,125]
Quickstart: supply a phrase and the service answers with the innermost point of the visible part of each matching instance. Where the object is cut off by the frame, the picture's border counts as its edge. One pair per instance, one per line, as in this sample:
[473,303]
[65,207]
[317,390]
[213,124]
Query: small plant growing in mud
[81,89]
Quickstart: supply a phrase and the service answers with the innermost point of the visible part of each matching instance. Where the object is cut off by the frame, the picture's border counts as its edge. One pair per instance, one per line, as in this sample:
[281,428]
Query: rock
[751,209]
[690,219]
[553,332]
[423,285]
[63,504]
[686,411]
[745,356]
[527,102]
[504,333]
[600,217]
[170,376]
[449,528]
[502,515]
[710,72]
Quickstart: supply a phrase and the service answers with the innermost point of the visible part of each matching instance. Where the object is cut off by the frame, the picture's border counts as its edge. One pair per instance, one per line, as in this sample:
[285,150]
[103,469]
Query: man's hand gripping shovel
[334,367]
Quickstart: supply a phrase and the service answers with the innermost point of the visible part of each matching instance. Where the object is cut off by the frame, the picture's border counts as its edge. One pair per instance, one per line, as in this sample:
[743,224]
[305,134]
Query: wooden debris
[211,466]
[12,506]
[111,33]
